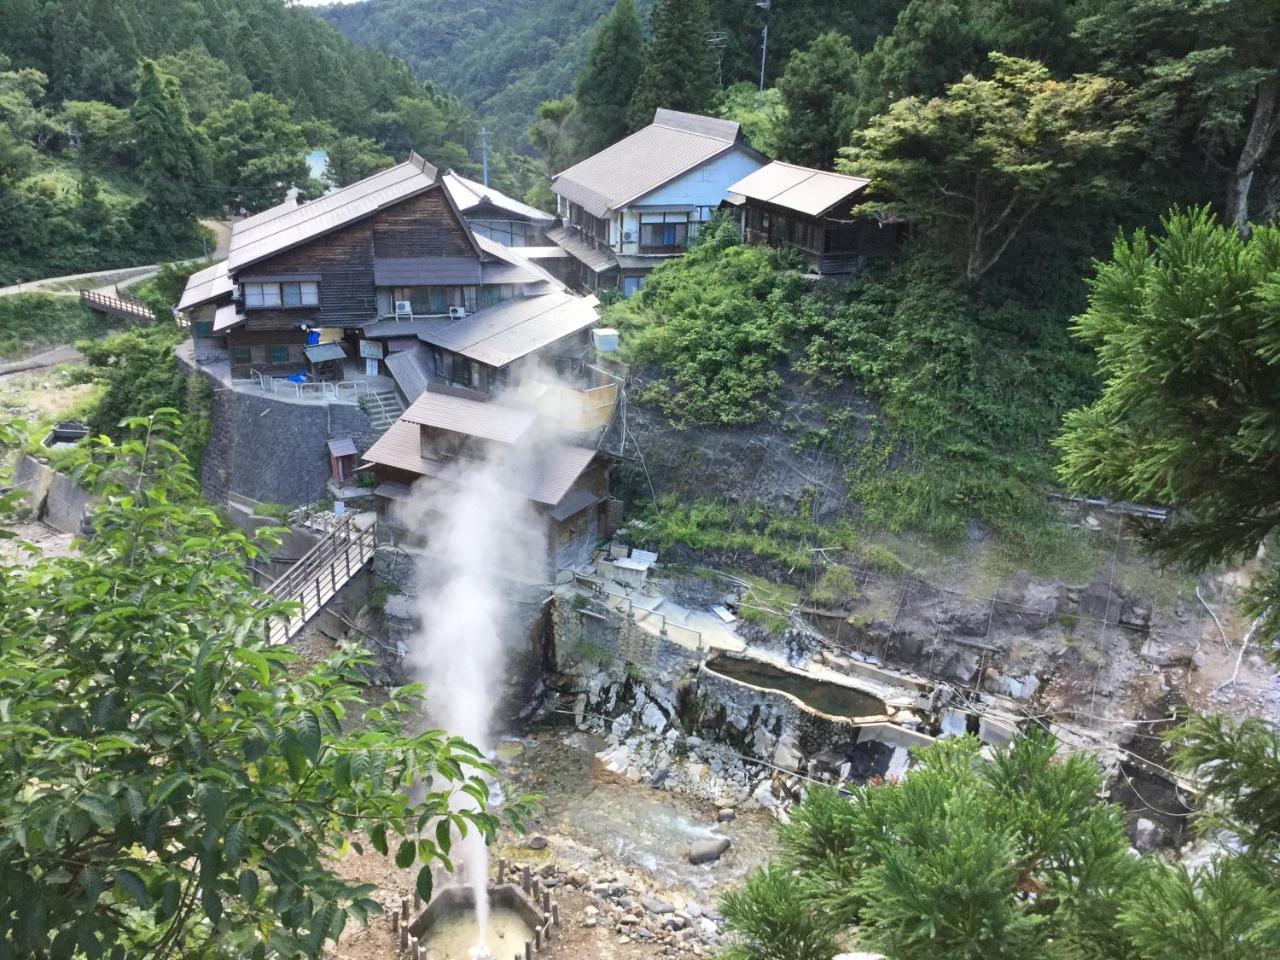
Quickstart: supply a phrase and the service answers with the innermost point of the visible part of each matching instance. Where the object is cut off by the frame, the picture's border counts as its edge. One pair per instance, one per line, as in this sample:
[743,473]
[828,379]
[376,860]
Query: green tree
[172,785]
[679,65]
[257,151]
[171,154]
[817,89]
[1186,332]
[609,78]
[1208,76]
[105,134]
[553,135]
[774,919]
[966,858]
[354,158]
[208,83]
[980,162]
[763,117]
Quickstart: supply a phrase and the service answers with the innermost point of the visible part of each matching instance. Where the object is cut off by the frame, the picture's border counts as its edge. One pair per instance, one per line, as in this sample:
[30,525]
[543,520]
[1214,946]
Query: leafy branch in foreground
[173,786]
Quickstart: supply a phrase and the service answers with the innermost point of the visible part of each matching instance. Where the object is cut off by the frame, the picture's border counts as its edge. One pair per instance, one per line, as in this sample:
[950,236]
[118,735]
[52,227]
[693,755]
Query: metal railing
[343,391]
[318,576]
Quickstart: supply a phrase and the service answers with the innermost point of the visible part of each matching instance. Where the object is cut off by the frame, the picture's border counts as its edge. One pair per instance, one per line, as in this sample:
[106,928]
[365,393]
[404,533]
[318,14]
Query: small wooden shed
[342,460]
[324,361]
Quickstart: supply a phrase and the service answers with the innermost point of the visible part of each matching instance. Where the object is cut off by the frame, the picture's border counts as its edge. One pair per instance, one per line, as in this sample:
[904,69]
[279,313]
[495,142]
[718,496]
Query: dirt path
[47,358]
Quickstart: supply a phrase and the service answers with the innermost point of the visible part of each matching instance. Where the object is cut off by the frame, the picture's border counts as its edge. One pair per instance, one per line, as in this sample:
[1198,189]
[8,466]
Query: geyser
[483,541]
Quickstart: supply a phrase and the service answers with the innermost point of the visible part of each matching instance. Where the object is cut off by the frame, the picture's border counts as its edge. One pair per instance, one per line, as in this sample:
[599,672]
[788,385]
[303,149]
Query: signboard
[371,349]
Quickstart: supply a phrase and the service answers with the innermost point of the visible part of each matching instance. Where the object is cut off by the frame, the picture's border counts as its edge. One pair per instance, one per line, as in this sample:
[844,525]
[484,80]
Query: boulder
[708,851]
[1147,835]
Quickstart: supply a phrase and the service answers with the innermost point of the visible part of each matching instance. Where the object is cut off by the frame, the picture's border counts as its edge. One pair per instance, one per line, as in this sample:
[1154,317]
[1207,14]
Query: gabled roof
[205,286]
[670,147]
[265,236]
[410,371]
[547,480]
[502,334]
[803,189]
[488,421]
[470,195]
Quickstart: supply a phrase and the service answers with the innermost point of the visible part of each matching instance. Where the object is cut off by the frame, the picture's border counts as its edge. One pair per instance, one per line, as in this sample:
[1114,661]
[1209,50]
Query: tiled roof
[263,236]
[468,194]
[671,146]
[803,189]
[206,285]
[501,334]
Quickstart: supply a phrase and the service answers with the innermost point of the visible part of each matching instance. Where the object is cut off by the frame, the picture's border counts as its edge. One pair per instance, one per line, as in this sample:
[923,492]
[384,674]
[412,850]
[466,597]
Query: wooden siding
[421,226]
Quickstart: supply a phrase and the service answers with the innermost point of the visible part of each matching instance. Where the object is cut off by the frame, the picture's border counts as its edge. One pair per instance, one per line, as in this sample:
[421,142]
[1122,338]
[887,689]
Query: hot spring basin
[824,696]
[447,925]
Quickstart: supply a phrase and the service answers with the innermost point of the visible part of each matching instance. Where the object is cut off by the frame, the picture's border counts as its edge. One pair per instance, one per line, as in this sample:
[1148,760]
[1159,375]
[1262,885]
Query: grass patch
[32,322]
[767,603]
[744,530]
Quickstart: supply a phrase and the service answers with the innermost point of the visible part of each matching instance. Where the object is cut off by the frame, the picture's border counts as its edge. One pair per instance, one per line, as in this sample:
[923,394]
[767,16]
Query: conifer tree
[680,66]
[609,78]
[170,152]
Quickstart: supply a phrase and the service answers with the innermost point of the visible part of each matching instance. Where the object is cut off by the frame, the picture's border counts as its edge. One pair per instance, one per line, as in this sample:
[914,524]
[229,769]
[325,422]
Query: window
[279,353]
[631,285]
[659,231]
[241,355]
[262,294]
[203,329]
[303,294]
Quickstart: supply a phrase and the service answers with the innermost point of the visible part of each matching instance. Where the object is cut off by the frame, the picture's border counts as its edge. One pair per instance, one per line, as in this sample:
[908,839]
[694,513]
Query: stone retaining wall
[53,497]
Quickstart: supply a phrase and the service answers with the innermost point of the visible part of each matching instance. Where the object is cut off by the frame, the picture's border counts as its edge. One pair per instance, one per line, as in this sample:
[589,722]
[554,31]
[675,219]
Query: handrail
[122,305]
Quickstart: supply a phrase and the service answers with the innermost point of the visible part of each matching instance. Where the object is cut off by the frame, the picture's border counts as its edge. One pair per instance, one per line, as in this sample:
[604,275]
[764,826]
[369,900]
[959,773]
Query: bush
[31,322]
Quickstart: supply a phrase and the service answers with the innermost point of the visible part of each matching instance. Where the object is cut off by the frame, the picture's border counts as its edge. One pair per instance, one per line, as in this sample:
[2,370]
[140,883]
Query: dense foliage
[120,123]
[970,858]
[1186,325]
[30,322]
[171,784]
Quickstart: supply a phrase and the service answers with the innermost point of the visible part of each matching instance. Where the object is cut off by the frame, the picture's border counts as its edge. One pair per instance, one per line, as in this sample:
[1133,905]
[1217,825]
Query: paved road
[222,235]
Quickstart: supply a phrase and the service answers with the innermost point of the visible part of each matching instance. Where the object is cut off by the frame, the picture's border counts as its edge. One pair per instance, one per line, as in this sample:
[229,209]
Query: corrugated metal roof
[549,479]
[227,317]
[468,194]
[488,421]
[544,253]
[575,501]
[342,447]
[323,352]
[410,371]
[513,256]
[497,273]
[206,285]
[258,238]
[672,145]
[591,257]
[425,271]
[803,189]
[506,332]
[383,329]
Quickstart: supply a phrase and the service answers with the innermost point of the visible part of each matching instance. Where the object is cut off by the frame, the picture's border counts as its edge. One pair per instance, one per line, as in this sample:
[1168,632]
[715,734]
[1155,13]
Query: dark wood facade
[832,245]
[271,338]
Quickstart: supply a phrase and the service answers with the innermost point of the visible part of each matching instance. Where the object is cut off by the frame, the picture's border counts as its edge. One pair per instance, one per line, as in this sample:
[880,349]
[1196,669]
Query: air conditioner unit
[627,236]
[457,313]
[404,308]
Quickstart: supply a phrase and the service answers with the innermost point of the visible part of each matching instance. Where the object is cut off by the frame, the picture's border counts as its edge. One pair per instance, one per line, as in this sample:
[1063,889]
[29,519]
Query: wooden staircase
[318,576]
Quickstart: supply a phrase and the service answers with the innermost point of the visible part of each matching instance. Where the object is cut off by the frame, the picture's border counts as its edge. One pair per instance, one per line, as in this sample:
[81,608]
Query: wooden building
[441,434]
[811,211]
[639,202]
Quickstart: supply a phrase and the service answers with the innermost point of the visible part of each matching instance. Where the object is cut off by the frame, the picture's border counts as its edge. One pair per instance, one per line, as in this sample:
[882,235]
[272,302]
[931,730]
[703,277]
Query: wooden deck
[316,578]
[121,308]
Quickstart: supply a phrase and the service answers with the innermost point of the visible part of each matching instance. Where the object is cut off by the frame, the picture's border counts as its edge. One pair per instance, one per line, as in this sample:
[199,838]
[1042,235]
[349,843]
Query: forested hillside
[504,57]
[105,163]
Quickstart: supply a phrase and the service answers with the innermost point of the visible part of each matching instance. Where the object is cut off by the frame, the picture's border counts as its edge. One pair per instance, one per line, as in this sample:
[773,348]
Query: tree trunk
[1262,131]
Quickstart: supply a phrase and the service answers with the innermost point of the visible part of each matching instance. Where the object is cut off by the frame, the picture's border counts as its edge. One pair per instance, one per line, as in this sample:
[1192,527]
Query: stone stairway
[383,407]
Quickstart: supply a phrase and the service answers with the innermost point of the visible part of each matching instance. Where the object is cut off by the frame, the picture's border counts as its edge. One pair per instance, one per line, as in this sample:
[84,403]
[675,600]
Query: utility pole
[766,6]
[485,134]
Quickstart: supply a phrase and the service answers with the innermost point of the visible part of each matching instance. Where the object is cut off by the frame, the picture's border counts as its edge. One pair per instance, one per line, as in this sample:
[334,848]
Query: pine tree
[680,66]
[609,78]
[170,152]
